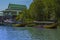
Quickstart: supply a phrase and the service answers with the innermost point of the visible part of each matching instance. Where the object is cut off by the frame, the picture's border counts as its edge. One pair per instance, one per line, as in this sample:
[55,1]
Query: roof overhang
[11,10]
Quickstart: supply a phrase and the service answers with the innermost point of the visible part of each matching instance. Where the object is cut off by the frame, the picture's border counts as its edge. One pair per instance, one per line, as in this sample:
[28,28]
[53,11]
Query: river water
[21,33]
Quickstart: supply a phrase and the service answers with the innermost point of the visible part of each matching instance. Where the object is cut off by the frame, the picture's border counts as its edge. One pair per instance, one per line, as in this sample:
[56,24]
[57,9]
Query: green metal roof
[16,7]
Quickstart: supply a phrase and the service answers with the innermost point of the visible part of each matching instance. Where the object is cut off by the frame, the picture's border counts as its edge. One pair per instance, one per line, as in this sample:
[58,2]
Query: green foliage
[42,9]
[25,17]
[36,10]
[58,8]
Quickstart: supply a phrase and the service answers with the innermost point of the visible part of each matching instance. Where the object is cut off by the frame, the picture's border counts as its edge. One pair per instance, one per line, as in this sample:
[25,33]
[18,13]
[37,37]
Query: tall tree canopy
[43,9]
[58,8]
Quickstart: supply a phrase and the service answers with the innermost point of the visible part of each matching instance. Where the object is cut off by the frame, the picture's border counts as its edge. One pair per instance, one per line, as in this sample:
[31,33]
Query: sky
[4,3]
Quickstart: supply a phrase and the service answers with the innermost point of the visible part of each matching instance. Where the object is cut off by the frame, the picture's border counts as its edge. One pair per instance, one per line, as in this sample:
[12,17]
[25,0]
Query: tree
[36,10]
[43,9]
[58,8]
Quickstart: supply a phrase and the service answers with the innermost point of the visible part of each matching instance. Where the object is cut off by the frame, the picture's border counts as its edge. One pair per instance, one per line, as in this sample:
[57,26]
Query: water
[16,33]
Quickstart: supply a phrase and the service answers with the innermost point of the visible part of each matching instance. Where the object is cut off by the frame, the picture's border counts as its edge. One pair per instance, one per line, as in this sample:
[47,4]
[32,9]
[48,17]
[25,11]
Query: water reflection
[45,34]
[10,33]
[7,33]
